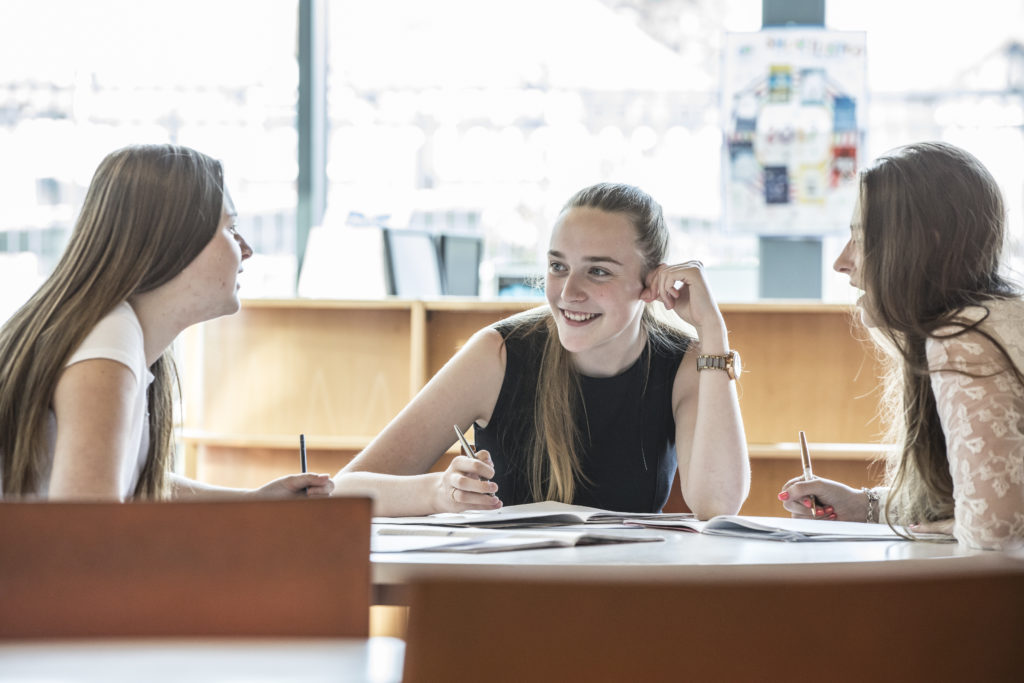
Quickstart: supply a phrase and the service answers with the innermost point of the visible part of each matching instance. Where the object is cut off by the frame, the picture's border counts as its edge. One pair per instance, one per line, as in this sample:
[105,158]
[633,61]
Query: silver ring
[453,495]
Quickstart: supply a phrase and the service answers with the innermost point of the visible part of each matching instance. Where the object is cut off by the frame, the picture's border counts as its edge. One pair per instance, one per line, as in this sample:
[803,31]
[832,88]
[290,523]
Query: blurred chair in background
[928,620]
[252,568]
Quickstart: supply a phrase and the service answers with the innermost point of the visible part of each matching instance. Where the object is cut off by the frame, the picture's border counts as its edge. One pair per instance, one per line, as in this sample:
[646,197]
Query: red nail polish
[807,502]
[784,495]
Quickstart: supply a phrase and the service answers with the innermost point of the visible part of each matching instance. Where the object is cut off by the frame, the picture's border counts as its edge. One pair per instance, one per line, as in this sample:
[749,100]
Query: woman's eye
[556,267]
[599,272]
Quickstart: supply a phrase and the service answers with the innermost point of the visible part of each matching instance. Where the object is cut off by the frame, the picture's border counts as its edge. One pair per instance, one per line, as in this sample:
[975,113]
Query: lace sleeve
[983,419]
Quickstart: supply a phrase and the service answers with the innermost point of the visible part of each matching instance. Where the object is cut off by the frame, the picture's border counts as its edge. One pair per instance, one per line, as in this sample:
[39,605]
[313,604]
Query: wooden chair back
[225,568]
[906,621]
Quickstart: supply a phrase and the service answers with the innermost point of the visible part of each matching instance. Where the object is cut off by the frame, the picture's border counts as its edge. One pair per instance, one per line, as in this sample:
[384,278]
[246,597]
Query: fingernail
[832,516]
[784,495]
[829,509]
[818,512]
[807,502]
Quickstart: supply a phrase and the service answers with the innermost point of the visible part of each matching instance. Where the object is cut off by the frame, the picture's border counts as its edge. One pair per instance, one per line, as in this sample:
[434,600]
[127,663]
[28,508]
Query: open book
[785,529]
[547,513]
[415,538]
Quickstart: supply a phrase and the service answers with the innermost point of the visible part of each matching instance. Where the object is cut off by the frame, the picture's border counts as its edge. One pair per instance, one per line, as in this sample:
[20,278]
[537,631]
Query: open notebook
[415,538]
[547,513]
[784,529]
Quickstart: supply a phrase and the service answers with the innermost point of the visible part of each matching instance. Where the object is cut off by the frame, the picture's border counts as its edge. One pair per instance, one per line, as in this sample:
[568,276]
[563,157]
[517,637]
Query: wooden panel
[448,331]
[739,624]
[238,568]
[805,370]
[254,467]
[286,371]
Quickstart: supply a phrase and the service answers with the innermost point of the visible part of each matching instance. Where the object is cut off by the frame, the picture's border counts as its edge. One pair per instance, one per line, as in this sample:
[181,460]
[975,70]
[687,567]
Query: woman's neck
[612,357]
[160,325]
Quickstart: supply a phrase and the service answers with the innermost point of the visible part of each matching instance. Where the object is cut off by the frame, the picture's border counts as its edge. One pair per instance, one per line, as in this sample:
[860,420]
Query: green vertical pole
[311,123]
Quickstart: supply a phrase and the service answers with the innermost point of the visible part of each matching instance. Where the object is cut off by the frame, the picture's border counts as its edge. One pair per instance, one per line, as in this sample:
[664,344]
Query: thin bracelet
[872,505]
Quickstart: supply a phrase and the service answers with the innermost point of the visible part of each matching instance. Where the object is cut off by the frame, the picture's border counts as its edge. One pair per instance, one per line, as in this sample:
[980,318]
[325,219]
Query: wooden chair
[252,568]
[929,620]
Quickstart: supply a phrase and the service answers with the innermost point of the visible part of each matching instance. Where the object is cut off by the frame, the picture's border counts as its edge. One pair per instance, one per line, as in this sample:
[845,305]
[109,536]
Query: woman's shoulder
[523,325]
[970,334]
[117,336]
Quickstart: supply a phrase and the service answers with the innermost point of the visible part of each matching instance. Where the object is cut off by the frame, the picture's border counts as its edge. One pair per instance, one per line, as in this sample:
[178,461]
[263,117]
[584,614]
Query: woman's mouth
[578,317]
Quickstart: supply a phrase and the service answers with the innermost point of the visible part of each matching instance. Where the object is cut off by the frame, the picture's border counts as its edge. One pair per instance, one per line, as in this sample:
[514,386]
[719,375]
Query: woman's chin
[865,318]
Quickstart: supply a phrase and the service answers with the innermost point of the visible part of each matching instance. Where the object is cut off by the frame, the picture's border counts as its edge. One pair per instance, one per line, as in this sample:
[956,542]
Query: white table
[155,660]
[677,554]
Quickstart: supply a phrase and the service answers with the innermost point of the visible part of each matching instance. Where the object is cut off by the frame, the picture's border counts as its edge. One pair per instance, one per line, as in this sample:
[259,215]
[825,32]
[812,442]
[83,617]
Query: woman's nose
[572,290]
[246,249]
[844,264]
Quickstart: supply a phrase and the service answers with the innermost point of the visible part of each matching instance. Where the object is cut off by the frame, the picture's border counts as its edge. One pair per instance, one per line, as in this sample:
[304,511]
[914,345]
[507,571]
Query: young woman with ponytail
[592,399]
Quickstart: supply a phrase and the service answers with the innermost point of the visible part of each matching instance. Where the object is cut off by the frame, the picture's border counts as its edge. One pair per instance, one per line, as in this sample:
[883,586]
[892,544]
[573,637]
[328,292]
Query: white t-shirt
[118,337]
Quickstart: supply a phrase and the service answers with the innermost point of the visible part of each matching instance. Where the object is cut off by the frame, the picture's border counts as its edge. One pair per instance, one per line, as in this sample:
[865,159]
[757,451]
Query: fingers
[481,466]
[321,489]
[943,526]
[469,484]
[665,283]
[804,499]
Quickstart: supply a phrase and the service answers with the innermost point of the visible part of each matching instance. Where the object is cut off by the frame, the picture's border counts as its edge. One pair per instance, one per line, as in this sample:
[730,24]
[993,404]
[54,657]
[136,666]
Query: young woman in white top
[86,374]
[926,239]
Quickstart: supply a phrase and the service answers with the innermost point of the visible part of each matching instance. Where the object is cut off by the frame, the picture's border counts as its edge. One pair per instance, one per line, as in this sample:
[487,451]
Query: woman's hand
[682,288]
[824,499]
[466,485]
[293,485]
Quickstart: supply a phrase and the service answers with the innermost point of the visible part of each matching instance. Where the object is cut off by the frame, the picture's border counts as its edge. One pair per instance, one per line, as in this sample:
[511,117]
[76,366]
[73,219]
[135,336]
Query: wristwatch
[730,362]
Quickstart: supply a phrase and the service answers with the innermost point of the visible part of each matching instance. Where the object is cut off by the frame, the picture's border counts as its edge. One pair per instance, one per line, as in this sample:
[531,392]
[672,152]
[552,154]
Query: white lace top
[983,419]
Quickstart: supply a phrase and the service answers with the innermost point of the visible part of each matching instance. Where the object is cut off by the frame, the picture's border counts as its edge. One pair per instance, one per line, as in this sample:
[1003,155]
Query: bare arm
[714,470]
[292,485]
[395,467]
[93,406]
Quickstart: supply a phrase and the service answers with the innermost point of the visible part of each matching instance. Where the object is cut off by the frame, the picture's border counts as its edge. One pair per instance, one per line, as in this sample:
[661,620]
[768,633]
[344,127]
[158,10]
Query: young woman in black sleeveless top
[592,399]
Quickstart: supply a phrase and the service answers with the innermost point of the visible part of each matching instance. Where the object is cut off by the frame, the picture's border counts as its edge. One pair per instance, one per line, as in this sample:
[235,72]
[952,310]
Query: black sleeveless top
[628,454]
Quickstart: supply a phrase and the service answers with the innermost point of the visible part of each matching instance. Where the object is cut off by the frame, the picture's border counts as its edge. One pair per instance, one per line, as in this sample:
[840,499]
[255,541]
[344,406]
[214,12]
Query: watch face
[737,365]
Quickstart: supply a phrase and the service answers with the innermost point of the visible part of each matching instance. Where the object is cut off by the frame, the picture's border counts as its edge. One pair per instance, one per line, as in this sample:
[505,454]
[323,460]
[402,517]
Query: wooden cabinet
[339,371]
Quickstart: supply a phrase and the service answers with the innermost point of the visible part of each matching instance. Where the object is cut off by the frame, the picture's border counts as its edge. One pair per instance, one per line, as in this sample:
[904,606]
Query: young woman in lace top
[926,238]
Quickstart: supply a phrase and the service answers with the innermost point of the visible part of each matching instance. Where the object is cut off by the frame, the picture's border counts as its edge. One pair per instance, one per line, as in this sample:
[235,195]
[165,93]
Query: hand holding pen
[466,483]
[807,495]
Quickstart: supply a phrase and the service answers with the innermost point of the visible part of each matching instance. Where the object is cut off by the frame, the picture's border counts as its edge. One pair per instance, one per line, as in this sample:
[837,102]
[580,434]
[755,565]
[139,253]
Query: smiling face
[593,286]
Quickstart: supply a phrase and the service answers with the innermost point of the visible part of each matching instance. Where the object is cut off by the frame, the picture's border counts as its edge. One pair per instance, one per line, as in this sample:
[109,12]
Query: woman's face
[851,260]
[211,278]
[593,286]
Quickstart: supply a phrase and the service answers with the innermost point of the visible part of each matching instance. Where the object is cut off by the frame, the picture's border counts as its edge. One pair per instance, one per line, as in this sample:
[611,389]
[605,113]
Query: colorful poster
[793,103]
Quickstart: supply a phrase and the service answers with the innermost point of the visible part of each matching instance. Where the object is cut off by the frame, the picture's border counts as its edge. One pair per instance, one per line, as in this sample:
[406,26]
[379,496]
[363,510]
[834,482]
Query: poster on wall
[794,107]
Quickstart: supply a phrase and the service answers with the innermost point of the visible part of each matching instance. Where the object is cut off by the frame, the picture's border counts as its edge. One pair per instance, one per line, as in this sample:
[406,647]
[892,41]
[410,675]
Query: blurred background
[477,120]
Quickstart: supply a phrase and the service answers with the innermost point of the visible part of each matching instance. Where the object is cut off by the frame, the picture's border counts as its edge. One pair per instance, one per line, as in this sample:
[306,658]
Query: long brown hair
[553,456]
[934,230]
[148,212]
